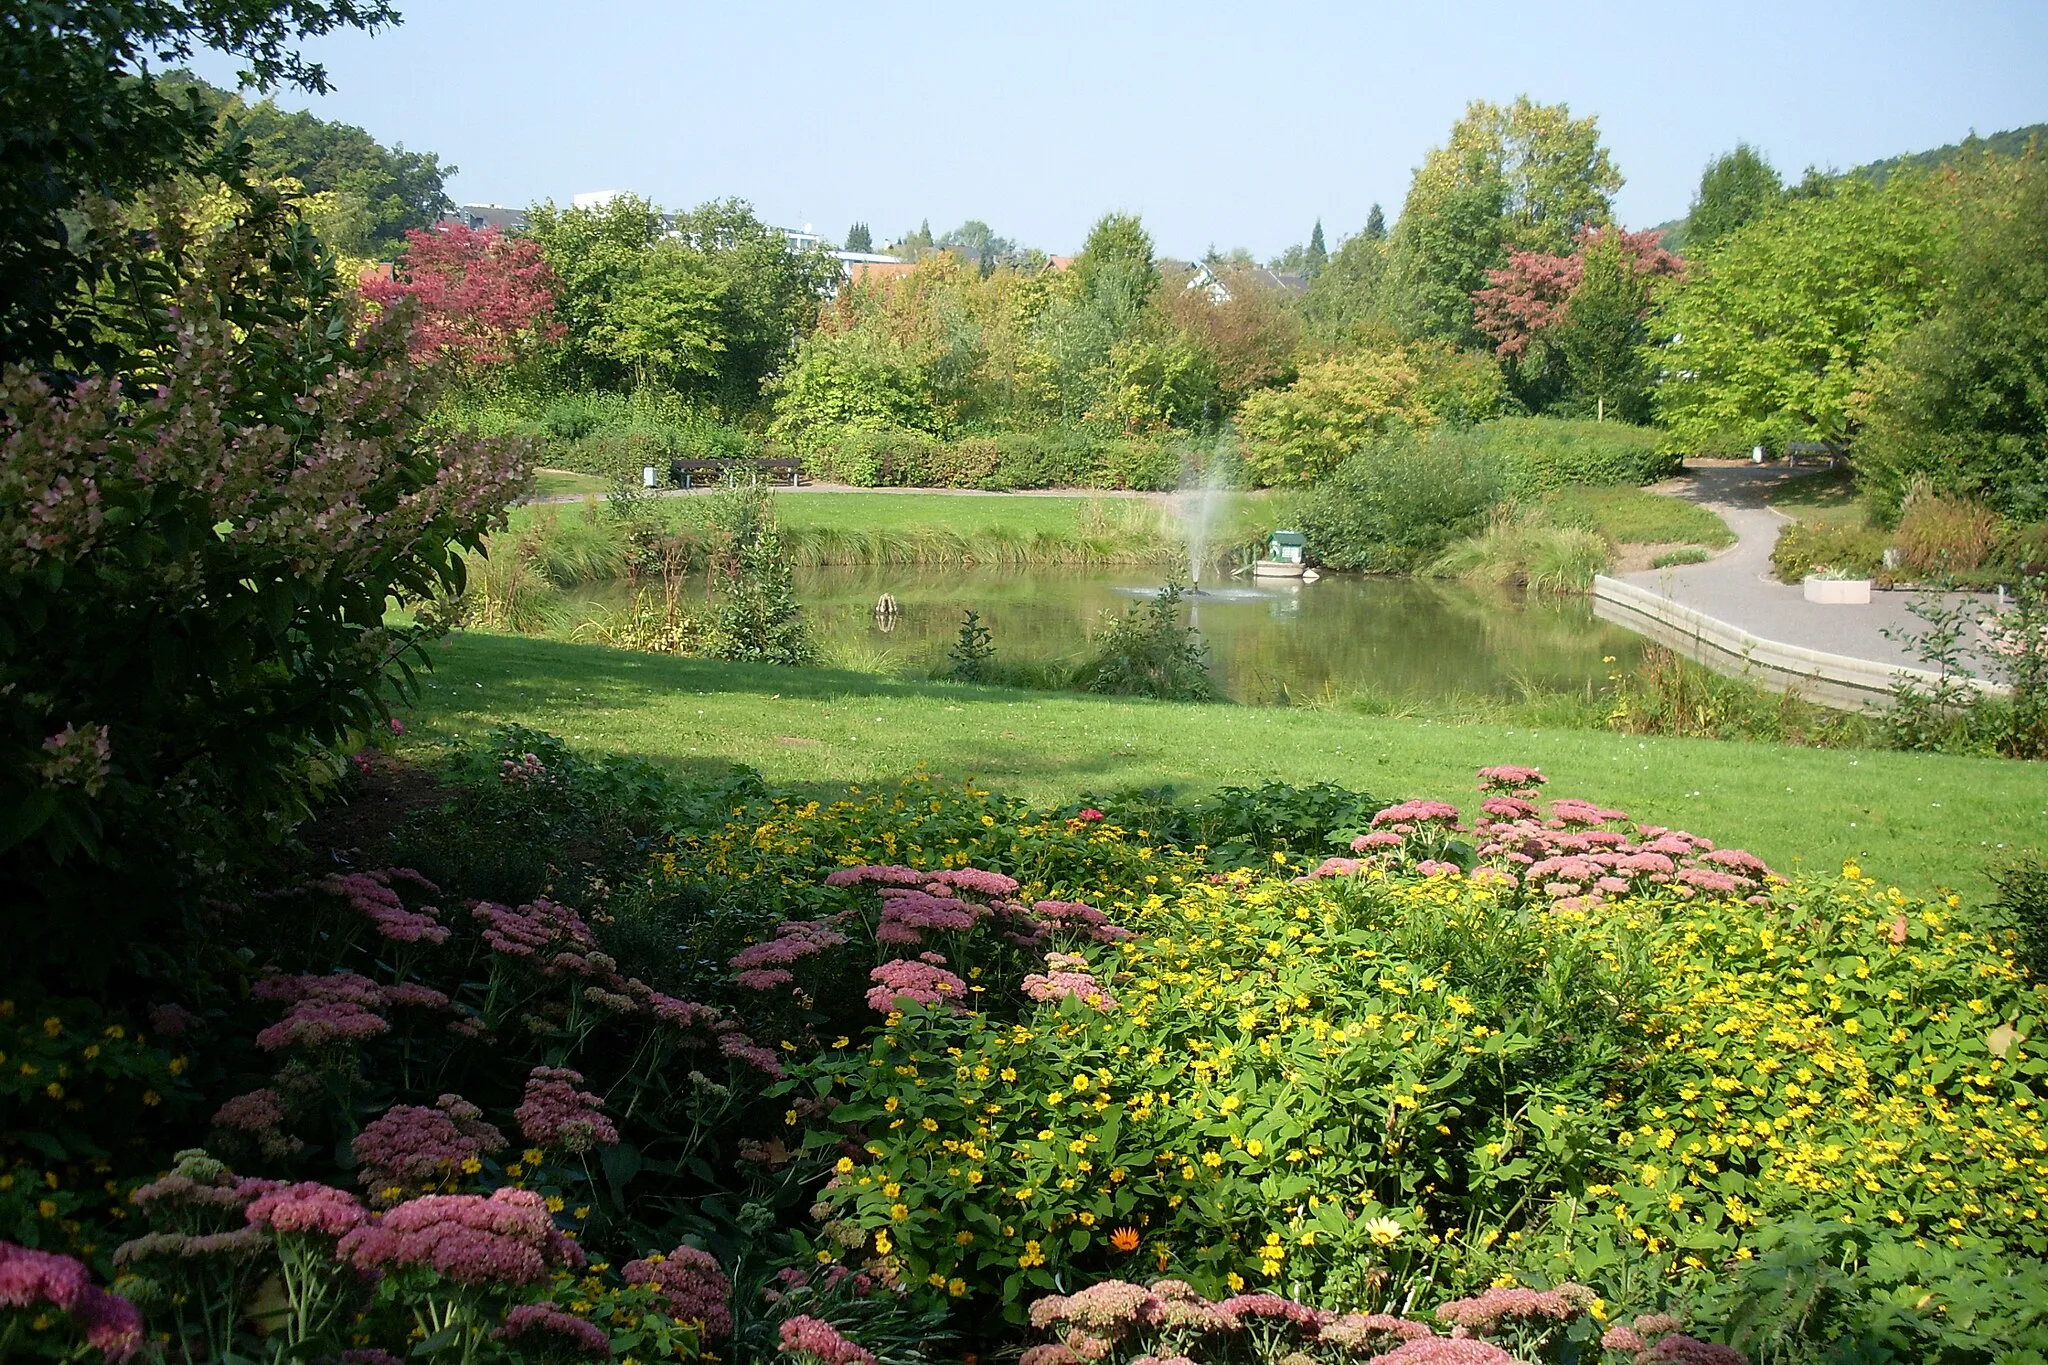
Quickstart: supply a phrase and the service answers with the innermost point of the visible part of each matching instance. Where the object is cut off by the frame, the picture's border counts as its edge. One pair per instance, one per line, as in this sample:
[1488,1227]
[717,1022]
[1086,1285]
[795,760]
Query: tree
[978,242]
[1601,334]
[1771,331]
[86,118]
[1301,433]
[595,253]
[201,557]
[1317,255]
[1526,309]
[1736,187]
[1525,177]
[769,296]
[1962,401]
[1251,334]
[859,239]
[480,299]
[1376,225]
[1350,301]
[663,325]
[842,379]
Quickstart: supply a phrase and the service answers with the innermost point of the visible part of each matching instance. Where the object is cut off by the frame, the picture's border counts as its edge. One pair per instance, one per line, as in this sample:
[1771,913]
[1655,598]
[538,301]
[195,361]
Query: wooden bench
[1795,451]
[689,473]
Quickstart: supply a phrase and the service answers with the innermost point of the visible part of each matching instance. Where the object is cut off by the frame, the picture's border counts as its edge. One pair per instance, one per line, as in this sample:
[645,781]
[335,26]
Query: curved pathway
[1737,586]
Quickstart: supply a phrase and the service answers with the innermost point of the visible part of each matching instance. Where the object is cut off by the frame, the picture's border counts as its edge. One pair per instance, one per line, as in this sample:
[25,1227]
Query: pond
[1395,638]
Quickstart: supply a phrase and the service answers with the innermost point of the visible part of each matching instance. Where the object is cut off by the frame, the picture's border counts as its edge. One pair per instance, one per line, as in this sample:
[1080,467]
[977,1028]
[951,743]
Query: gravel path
[1736,585]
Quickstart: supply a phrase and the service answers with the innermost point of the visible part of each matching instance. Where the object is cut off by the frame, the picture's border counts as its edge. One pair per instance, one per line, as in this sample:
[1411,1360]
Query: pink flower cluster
[555,1113]
[507,1238]
[1435,1350]
[533,929]
[908,913]
[1359,1332]
[803,1335]
[372,895]
[1092,1321]
[1272,1306]
[198,1181]
[541,1326]
[77,756]
[922,982]
[413,1147]
[692,1284]
[260,1115]
[764,966]
[325,1010]
[1571,856]
[1486,1311]
[1411,813]
[1068,974]
[1086,918]
[308,1207]
[1510,777]
[38,1279]
[875,874]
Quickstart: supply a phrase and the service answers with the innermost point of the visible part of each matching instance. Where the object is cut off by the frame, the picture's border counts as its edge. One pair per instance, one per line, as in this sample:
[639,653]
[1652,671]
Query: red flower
[1090,814]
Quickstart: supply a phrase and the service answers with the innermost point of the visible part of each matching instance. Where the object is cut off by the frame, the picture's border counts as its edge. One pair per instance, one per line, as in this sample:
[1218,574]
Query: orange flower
[1124,1239]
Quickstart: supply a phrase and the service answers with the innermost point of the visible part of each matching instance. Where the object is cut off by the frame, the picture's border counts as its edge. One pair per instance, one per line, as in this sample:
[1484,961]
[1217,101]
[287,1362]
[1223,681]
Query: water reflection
[1395,637]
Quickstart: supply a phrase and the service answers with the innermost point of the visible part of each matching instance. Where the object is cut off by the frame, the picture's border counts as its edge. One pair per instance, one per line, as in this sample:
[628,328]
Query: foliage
[1147,652]
[1805,546]
[200,561]
[1735,188]
[972,655]
[844,383]
[1525,177]
[1561,329]
[1302,433]
[478,300]
[1620,1108]
[2023,898]
[1939,535]
[386,192]
[1526,553]
[1395,504]
[858,238]
[1630,516]
[1251,333]
[90,121]
[755,617]
[1963,399]
[1350,302]
[1773,329]
[1667,694]
[1954,712]
[1544,454]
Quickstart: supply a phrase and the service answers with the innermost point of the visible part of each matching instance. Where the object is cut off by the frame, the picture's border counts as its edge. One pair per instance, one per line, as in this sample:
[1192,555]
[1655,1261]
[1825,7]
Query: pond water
[1395,638]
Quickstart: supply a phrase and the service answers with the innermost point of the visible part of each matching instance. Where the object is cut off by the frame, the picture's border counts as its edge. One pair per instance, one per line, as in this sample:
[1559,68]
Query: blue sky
[1222,124]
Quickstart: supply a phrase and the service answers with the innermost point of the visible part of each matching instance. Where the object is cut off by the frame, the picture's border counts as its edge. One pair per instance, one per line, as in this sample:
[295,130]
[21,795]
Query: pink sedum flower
[555,1113]
[692,1284]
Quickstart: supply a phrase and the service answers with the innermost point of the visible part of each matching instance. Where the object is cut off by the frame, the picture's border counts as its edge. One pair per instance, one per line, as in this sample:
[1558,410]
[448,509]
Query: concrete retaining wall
[1833,679]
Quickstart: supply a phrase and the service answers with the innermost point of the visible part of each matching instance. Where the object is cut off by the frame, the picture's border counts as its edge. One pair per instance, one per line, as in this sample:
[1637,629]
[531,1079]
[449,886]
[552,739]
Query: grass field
[1629,516]
[563,483]
[1830,498]
[1919,820]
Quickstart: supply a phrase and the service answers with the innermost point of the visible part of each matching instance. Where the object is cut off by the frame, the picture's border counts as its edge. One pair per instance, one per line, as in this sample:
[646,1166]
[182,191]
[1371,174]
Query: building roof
[477,217]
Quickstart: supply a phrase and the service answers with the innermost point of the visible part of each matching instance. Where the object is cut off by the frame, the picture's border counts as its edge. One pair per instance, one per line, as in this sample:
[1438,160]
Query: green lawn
[1920,820]
[562,483]
[1830,498]
[1630,516]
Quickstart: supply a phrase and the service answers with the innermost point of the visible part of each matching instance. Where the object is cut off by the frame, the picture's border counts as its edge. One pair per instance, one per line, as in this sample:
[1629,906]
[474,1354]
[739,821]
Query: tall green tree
[858,238]
[1602,332]
[664,322]
[1771,331]
[85,117]
[1350,301]
[1517,177]
[597,255]
[1735,188]
[1318,254]
[1376,225]
[1963,400]
[768,296]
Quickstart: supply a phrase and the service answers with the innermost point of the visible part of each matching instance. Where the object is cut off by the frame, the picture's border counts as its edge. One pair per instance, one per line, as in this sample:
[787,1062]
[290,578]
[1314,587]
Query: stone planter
[1838,592]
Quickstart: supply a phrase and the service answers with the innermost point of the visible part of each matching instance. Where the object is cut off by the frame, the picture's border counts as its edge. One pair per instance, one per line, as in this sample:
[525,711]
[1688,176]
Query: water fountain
[1198,505]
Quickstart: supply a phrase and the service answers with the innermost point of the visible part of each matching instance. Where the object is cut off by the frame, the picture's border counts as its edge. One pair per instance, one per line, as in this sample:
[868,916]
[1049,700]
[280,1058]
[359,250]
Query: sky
[1223,125]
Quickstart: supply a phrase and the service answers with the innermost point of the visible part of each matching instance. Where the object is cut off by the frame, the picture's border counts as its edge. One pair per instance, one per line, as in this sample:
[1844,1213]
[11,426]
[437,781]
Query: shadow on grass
[493,679]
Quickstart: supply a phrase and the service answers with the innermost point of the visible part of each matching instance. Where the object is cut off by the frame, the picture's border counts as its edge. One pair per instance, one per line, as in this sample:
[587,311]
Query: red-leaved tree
[479,297]
[1529,296]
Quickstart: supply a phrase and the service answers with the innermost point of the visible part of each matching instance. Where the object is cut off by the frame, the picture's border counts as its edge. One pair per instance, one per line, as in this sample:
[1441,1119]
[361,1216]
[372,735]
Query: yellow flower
[1254,1148]
[956,1286]
[883,1246]
[845,1165]
[1233,1279]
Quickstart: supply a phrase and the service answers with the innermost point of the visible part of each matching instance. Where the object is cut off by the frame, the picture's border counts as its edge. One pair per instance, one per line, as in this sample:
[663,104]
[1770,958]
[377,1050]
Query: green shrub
[962,464]
[1394,505]
[1938,534]
[1058,458]
[1806,545]
[1542,454]
[1672,559]
[1545,558]
[573,416]
[1146,463]
[2023,895]
[1147,652]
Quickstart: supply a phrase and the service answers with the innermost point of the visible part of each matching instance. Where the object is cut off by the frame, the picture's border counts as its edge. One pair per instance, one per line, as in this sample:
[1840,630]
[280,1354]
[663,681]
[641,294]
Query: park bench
[1795,451]
[692,473]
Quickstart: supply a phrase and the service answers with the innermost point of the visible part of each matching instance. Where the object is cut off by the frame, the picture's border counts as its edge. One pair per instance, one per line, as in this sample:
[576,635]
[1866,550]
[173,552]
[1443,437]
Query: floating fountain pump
[1284,551]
